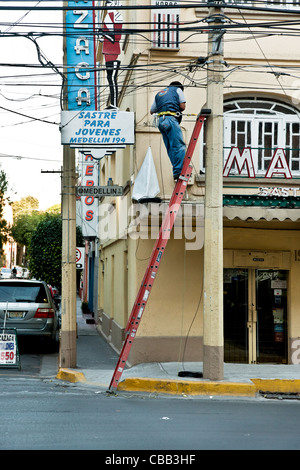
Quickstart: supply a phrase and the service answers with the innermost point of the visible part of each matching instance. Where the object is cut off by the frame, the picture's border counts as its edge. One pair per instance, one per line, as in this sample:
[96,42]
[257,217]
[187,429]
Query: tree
[26,205]
[4,229]
[46,249]
[23,227]
[26,218]
[56,209]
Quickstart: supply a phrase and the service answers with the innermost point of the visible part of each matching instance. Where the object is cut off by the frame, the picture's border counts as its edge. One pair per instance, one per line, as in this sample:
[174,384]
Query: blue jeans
[173,140]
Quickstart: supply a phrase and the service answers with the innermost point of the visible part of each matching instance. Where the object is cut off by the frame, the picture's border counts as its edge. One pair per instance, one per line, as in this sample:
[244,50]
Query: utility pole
[213,342]
[67,352]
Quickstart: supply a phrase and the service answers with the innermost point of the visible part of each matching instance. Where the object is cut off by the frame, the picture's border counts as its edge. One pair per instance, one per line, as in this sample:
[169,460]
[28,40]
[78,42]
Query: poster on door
[279,333]
[278,325]
[278,315]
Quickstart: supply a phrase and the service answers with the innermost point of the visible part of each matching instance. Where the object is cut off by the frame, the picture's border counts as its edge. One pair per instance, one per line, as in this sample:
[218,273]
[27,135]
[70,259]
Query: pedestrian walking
[168,106]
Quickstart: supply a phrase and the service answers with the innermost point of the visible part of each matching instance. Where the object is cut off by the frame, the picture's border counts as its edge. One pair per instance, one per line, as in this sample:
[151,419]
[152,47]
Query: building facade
[261,185]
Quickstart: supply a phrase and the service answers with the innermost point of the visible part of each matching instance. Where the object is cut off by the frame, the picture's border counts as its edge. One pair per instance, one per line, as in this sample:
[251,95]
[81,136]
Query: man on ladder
[168,105]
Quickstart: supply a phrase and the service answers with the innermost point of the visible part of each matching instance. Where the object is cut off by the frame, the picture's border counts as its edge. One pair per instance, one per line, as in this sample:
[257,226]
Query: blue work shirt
[168,99]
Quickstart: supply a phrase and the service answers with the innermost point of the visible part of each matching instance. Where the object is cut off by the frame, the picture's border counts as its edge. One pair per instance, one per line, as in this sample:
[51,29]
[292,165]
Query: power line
[235,28]
[182,4]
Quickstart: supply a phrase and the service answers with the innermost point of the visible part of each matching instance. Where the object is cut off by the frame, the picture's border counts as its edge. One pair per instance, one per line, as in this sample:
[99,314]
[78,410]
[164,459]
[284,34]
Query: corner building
[261,187]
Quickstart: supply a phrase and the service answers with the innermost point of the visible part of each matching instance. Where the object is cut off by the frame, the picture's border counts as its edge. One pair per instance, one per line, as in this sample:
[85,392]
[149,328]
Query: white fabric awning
[257,213]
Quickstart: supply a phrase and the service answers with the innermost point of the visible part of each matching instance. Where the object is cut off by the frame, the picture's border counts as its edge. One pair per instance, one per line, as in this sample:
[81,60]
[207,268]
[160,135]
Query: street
[43,413]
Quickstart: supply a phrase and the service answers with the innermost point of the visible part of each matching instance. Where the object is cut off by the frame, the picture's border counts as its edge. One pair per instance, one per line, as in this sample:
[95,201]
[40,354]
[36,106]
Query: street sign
[100,191]
[80,258]
[101,128]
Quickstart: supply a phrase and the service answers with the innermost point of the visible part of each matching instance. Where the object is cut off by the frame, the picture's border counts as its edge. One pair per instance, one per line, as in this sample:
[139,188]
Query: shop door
[255,312]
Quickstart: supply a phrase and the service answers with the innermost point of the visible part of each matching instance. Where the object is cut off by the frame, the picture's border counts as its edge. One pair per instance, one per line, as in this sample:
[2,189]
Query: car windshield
[6,270]
[21,292]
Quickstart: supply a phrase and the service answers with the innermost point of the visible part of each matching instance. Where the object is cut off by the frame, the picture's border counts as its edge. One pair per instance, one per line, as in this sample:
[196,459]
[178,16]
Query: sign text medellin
[99,191]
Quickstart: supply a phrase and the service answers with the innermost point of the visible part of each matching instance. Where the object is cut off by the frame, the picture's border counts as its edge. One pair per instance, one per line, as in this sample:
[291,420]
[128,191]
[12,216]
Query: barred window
[235,2]
[165,25]
[271,3]
[283,3]
[263,126]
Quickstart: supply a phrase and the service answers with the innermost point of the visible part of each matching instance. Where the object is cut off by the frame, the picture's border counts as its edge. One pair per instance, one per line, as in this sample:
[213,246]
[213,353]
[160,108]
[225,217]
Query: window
[266,128]
[165,25]
[289,4]
[234,2]
[22,292]
[239,2]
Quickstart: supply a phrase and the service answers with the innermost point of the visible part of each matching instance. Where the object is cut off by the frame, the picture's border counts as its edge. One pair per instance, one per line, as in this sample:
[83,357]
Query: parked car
[27,306]
[19,272]
[25,273]
[55,295]
[5,273]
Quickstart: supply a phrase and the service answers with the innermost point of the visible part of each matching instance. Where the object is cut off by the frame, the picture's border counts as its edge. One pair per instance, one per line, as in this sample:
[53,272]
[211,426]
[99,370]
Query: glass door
[235,315]
[255,316]
[271,291]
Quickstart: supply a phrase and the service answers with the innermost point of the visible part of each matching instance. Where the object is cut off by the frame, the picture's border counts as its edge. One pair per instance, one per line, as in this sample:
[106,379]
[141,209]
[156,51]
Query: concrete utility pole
[67,352]
[213,343]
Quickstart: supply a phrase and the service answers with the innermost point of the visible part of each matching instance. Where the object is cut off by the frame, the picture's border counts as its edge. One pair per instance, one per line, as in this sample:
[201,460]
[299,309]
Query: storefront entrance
[255,315]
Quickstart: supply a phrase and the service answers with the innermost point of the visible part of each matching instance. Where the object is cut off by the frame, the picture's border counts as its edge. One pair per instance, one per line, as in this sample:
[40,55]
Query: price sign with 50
[7,352]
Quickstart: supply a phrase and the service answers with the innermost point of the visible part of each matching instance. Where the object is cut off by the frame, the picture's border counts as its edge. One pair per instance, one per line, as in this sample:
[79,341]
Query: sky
[30,149]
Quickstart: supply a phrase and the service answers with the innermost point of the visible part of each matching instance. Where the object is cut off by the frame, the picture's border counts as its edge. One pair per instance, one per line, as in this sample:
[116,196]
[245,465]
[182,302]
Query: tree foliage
[26,205]
[4,229]
[46,249]
[27,217]
[23,227]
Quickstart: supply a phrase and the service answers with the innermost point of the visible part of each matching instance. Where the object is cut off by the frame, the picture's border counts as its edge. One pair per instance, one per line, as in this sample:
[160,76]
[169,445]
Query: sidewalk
[96,362]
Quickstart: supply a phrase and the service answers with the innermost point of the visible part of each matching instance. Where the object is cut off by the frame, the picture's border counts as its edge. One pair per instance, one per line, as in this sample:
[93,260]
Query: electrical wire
[182,4]
[235,27]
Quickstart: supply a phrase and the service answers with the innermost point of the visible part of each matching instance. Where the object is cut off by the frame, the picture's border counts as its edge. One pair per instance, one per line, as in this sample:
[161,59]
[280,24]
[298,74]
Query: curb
[277,385]
[70,375]
[184,387]
[177,387]
[242,389]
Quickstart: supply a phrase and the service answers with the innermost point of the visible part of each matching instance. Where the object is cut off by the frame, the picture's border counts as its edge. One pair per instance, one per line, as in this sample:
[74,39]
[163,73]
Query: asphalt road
[39,412]
[52,415]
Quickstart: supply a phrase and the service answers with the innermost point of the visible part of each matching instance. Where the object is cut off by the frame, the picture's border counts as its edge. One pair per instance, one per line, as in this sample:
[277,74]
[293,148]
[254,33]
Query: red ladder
[157,253]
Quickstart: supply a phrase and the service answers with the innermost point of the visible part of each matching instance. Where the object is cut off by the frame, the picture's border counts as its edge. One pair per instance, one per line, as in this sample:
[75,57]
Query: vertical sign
[88,211]
[166,25]
[81,59]
[81,72]
[80,257]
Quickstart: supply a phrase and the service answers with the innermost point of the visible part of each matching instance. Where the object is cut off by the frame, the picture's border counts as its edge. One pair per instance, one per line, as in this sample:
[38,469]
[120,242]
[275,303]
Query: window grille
[165,25]
[236,2]
[263,126]
[289,4]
